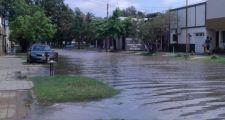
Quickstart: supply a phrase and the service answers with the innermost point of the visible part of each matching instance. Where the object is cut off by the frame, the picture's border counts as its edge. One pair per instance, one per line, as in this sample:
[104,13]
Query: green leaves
[32,27]
[154,28]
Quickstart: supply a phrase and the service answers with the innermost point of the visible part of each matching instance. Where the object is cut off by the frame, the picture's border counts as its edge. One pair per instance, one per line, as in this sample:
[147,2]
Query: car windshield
[41,48]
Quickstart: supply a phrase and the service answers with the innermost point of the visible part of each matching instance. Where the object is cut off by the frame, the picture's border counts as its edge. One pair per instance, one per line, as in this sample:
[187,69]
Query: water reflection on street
[156,88]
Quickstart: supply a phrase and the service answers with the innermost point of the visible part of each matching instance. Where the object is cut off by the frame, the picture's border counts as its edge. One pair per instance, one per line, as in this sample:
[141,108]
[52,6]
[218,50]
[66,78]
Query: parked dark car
[41,53]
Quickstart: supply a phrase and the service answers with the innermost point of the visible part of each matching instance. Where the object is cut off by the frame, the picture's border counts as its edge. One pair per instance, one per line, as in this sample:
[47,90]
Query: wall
[196,16]
[1,38]
[200,15]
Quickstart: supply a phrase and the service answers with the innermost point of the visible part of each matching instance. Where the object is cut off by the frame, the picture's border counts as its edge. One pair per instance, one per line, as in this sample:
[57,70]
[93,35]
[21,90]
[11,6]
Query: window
[200,34]
[175,37]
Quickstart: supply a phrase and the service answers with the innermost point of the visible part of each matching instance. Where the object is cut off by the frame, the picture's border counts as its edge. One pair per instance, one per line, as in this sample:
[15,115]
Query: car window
[41,48]
[47,48]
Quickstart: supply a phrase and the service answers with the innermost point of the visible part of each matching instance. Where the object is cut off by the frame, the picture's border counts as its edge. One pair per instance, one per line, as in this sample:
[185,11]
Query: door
[199,41]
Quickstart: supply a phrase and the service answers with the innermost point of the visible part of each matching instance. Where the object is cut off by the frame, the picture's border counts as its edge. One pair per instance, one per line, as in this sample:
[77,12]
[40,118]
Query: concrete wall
[196,16]
[200,15]
[215,9]
[191,17]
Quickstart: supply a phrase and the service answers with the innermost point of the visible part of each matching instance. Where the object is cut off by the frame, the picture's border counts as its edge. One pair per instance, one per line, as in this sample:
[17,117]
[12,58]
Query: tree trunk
[123,43]
[24,44]
[114,44]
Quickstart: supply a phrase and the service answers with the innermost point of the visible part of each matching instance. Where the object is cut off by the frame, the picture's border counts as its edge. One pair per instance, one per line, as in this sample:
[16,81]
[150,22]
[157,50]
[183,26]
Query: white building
[195,26]
[215,22]
[203,19]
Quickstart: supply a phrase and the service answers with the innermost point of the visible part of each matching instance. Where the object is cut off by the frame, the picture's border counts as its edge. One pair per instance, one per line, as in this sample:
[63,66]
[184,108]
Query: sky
[98,7]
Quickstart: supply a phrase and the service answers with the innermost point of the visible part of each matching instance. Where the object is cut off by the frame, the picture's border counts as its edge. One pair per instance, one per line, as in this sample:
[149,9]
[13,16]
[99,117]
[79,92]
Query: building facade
[4,34]
[215,22]
[201,20]
[196,28]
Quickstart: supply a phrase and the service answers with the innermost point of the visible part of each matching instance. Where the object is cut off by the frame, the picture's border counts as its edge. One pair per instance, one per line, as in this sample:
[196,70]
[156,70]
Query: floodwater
[156,88]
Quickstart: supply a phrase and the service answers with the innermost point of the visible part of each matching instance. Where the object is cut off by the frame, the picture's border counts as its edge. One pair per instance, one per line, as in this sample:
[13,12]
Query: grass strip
[70,89]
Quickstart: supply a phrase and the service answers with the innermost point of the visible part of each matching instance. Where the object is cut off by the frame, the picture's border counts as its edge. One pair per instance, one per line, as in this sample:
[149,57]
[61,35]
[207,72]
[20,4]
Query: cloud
[98,7]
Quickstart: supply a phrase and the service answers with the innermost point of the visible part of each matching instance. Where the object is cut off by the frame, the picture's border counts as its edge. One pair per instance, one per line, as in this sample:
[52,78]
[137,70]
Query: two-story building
[195,27]
[202,20]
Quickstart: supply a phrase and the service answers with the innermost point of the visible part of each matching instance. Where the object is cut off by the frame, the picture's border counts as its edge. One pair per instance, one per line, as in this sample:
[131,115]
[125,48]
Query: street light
[187,40]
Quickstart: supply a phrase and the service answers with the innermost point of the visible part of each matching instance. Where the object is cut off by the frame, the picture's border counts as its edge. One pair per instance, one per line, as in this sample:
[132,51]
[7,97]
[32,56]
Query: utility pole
[187,41]
[107,11]
[107,39]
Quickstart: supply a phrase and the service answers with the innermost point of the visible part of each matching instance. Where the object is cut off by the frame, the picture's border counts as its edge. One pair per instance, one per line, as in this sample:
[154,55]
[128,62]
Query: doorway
[217,39]
[199,41]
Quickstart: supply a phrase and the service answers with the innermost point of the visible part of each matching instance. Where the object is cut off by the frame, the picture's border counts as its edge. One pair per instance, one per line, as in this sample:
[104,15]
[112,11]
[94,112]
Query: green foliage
[183,56]
[132,12]
[214,57]
[128,27]
[62,16]
[152,30]
[67,24]
[35,28]
[28,22]
[69,89]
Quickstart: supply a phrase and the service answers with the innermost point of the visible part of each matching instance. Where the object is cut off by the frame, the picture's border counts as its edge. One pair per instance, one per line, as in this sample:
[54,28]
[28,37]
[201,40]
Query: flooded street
[156,88]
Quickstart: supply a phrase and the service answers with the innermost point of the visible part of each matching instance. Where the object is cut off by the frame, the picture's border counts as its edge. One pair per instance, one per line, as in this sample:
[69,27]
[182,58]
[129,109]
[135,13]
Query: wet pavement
[15,96]
[152,88]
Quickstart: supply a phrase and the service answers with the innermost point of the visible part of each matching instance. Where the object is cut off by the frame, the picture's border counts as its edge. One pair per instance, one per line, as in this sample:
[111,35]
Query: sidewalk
[14,88]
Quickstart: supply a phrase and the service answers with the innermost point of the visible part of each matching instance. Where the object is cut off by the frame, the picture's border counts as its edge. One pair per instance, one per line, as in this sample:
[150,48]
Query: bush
[214,57]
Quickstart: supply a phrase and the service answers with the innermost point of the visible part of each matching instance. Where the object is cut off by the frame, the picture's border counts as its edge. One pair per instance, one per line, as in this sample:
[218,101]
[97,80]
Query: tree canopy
[55,22]
[150,31]
[29,24]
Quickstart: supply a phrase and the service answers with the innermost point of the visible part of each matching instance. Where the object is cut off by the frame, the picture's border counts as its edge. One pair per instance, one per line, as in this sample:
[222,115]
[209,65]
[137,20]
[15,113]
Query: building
[215,22]
[196,28]
[4,33]
[206,19]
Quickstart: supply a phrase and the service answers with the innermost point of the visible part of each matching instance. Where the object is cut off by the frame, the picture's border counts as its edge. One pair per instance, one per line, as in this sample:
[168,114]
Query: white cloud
[98,7]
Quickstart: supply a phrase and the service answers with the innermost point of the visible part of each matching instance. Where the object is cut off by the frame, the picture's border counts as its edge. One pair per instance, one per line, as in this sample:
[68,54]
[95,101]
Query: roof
[184,7]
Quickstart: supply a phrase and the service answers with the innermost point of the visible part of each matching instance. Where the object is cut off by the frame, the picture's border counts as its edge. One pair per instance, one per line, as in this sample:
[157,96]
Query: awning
[216,24]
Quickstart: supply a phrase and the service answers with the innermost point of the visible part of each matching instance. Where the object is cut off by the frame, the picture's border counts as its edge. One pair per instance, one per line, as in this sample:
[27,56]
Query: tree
[62,16]
[114,28]
[132,12]
[152,30]
[128,30]
[31,28]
